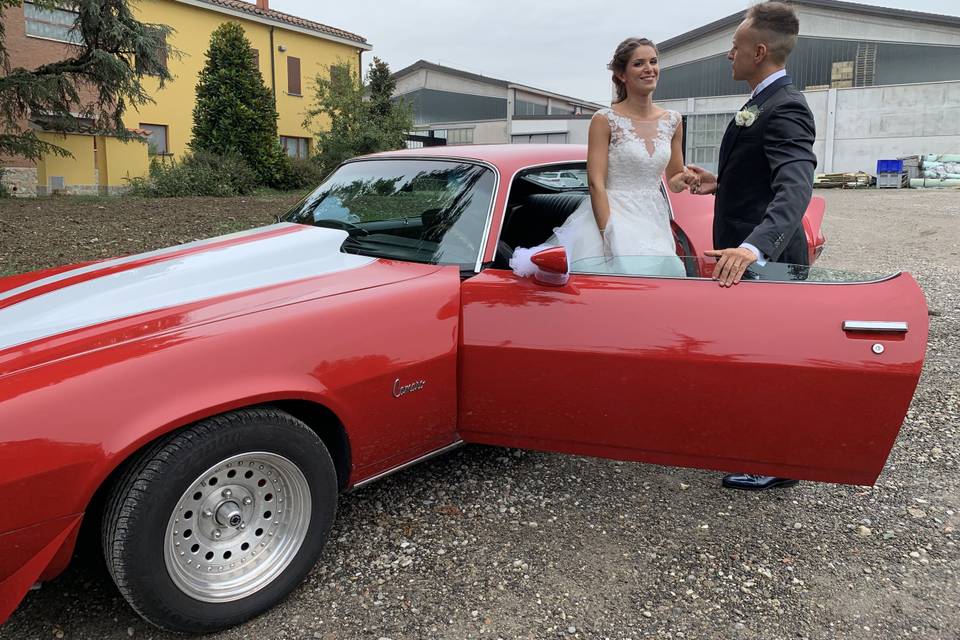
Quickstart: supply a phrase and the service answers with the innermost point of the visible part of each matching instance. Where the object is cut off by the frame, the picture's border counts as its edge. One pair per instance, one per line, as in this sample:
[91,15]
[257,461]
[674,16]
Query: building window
[460,136]
[539,138]
[160,65]
[156,139]
[293,76]
[552,176]
[525,108]
[54,24]
[295,147]
[561,109]
[704,134]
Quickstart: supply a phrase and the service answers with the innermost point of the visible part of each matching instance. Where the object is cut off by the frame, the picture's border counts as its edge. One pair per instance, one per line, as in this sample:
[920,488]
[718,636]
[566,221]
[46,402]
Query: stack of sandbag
[939,171]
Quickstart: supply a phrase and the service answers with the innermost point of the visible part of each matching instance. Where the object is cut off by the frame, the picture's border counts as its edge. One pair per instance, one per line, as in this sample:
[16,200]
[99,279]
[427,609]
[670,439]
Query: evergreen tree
[235,112]
[99,81]
[357,120]
[380,85]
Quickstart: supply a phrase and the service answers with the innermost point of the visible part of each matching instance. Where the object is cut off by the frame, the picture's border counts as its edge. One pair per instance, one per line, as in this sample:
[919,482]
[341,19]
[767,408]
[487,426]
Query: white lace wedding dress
[638,236]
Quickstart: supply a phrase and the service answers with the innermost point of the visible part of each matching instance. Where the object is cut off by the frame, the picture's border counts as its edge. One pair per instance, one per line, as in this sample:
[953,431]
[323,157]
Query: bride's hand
[681,181]
[706,182]
[685,180]
[605,236]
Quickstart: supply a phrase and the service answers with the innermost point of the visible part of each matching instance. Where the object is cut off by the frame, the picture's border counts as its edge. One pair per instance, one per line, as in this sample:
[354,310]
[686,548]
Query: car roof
[503,156]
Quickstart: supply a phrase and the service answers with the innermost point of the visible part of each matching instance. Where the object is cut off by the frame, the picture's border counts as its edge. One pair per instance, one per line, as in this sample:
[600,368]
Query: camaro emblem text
[402,390]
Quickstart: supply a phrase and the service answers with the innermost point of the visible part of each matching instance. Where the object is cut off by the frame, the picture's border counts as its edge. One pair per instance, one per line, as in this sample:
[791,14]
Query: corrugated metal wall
[812,65]
[432,106]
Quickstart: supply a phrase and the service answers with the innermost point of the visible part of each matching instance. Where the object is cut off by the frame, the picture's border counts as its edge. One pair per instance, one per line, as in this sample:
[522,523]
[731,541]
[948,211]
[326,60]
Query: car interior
[535,208]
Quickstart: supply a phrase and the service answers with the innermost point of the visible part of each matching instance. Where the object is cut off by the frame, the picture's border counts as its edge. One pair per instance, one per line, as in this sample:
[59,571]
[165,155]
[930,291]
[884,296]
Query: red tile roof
[279,16]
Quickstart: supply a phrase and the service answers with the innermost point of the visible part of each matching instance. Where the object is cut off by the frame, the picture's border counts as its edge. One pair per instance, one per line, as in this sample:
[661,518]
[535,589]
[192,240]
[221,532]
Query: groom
[765,176]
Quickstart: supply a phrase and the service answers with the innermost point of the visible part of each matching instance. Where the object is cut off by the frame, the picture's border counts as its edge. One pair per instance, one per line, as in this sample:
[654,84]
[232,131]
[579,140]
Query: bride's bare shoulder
[601,118]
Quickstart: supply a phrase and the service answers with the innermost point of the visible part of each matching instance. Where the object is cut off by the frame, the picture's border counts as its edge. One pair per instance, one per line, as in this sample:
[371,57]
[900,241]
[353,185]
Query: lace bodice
[639,222]
[639,150]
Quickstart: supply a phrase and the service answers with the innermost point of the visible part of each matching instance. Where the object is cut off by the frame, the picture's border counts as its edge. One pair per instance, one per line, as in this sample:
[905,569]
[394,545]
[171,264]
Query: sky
[561,46]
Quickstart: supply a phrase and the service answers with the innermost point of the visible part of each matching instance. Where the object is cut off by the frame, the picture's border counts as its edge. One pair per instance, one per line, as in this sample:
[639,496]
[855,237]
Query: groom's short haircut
[777,26]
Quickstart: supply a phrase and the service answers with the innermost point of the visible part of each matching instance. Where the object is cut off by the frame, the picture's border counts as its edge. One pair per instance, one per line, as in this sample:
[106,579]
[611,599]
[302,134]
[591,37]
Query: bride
[624,227]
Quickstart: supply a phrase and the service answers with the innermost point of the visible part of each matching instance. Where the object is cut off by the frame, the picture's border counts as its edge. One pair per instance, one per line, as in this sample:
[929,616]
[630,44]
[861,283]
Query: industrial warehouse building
[451,106]
[882,83]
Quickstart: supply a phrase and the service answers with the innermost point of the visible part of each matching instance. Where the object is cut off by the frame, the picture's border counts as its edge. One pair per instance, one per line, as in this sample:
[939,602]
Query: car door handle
[872,326]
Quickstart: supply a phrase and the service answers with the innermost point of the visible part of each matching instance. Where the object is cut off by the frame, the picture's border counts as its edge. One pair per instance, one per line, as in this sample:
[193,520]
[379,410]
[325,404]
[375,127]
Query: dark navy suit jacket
[765,177]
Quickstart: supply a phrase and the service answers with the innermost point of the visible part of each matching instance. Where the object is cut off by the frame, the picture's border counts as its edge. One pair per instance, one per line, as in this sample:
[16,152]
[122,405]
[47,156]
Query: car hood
[253,265]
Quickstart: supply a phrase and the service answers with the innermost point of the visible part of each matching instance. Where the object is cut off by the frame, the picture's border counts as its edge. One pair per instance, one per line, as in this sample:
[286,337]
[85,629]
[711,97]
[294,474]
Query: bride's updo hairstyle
[621,58]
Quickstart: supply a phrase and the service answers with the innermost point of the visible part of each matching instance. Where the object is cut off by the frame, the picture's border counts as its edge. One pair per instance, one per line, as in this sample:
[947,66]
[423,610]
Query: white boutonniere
[746,117]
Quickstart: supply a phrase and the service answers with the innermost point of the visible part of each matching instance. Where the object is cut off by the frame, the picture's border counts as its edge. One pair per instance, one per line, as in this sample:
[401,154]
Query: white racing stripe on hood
[178,281]
[106,264]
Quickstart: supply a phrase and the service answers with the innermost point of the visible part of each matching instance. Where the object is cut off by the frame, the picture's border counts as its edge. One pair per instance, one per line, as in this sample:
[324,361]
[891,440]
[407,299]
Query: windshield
[430,211]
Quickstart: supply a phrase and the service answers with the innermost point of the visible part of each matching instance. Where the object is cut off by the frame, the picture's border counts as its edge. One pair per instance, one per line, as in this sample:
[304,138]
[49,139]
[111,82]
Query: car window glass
[551,177]
[702,267]
[430,211]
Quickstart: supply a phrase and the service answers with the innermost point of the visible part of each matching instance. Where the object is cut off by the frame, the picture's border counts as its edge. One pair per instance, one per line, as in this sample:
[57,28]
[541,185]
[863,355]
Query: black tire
[139,508]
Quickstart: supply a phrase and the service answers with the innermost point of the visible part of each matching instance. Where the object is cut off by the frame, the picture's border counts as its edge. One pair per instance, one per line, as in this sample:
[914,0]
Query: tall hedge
[235,112]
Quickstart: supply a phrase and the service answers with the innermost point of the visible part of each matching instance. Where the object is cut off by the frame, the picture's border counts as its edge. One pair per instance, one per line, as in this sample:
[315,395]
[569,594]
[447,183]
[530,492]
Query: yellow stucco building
[291,51]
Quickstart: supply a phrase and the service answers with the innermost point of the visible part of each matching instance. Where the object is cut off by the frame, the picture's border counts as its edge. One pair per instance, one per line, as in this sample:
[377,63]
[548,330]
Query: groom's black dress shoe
[750,482]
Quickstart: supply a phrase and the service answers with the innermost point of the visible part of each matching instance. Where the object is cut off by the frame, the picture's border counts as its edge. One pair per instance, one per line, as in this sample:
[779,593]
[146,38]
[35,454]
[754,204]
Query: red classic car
[203,405]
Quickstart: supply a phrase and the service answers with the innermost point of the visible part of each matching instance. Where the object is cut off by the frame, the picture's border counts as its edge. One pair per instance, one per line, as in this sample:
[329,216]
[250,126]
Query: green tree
[235,111]
[98,82]
[380,88]
[358,120]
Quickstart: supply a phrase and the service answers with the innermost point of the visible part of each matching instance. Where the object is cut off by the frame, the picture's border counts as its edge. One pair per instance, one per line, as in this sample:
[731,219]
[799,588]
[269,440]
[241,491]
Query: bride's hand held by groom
[700,181]
[683,180]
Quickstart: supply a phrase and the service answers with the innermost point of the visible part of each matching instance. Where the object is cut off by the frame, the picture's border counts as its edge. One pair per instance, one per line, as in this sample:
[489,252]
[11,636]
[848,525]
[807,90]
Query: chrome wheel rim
[237,527]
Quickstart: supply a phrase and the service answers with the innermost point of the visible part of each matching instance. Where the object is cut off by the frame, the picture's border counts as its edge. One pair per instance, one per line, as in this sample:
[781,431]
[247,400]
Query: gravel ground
[496,543]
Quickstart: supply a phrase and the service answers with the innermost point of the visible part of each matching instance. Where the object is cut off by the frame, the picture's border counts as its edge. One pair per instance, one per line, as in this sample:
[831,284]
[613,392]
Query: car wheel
[220,521]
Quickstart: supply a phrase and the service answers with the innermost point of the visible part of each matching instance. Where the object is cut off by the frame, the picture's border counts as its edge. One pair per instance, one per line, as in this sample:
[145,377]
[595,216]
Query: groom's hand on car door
[731,264]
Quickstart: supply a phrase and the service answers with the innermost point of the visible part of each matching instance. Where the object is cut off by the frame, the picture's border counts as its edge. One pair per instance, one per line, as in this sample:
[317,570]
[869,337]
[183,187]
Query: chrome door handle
[871,326]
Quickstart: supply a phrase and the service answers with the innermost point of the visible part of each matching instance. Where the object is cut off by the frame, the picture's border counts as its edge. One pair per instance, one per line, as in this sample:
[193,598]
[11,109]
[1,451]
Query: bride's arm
[677,174]
[598,147]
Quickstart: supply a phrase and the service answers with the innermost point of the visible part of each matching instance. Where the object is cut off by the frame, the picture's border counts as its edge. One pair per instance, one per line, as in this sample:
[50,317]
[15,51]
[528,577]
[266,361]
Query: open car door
[801,372]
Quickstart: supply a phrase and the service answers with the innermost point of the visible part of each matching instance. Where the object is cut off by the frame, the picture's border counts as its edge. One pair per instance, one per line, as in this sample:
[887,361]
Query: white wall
[577,131]
[529,127]
[876,123]
[830,23]
[495,132]
[484,132]
[443,82]
[703,47]
[576,128]
[858,126]
[410,83]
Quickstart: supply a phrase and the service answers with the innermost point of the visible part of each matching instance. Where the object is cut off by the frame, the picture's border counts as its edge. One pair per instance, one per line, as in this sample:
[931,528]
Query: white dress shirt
[766,82]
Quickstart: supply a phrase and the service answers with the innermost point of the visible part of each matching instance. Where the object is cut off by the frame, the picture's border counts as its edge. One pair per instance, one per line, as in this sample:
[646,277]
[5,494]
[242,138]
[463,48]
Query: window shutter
[293,75]
[256,58]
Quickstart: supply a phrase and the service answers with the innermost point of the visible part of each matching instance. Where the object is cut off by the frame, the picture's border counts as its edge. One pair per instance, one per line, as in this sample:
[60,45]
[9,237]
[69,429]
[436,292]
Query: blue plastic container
[889,166]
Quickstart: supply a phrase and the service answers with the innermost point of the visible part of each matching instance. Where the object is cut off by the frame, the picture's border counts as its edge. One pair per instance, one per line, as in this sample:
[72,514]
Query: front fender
[67,424]
[26,553]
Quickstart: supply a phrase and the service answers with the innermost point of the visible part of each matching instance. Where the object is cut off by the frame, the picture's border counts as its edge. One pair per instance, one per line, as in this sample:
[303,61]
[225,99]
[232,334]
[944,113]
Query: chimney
[263,4]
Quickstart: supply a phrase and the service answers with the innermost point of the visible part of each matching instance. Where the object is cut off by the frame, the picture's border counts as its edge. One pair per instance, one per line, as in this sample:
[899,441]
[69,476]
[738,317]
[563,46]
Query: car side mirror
[553,270]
